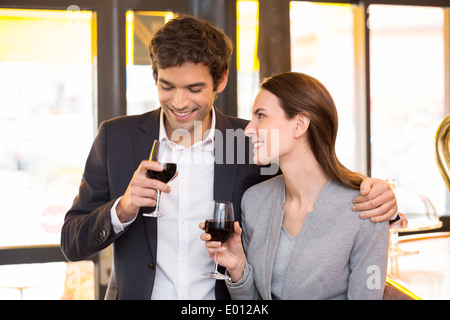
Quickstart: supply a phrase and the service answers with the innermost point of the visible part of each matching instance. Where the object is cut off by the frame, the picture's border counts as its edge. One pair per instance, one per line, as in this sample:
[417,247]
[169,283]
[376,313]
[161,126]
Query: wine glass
[163,153]
[220,225]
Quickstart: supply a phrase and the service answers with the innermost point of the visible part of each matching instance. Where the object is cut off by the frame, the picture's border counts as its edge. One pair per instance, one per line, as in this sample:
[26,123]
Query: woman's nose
[250,130]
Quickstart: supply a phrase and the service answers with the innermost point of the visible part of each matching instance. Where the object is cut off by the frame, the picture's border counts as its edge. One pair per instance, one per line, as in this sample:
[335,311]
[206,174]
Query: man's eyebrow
[164,81]
[195,84]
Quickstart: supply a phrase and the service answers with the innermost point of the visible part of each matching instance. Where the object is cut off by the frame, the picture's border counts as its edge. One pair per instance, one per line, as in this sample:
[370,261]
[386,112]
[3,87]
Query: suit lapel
[224,175]
[143,142]
[272,240]
[142,145]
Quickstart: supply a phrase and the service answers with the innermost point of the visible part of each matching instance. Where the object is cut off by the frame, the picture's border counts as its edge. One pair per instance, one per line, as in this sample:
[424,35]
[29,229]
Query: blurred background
[67,66]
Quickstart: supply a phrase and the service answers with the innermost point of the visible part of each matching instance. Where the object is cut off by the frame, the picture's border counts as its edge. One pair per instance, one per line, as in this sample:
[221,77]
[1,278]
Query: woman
[301,238]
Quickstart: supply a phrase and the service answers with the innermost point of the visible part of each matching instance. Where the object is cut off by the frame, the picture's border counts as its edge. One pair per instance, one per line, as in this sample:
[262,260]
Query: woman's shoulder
[340,193]
[260,204]
[261,198]
[337,204]
[265,188]
[336,201]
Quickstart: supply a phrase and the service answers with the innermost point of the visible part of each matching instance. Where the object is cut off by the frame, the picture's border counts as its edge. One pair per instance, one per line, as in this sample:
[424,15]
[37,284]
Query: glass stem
[216,262]
[394,240]
[157,200]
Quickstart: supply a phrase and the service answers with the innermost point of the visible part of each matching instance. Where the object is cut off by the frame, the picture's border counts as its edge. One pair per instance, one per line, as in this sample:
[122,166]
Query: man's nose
[180,99]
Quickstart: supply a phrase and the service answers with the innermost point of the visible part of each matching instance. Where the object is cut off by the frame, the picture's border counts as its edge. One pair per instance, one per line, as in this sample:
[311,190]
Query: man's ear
[301,125]
[222,83]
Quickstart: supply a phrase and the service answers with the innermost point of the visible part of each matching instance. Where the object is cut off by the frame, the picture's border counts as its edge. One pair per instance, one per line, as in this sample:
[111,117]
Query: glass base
[154,214]
[396,251]
[215,275]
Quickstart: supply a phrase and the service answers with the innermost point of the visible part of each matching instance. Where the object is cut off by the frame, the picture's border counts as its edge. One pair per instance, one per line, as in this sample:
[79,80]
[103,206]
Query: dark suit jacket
[120,146]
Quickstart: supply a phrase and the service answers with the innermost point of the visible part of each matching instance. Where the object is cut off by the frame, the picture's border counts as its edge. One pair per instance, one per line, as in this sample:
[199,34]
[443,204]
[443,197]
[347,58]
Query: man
[157,258]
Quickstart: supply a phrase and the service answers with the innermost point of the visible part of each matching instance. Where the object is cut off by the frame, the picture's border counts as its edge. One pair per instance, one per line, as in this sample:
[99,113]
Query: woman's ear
[301,125]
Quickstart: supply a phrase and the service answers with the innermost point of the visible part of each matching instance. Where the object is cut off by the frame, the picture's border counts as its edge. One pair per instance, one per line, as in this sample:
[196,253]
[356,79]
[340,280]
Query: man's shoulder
[238,122]
[133,120]
[229,122]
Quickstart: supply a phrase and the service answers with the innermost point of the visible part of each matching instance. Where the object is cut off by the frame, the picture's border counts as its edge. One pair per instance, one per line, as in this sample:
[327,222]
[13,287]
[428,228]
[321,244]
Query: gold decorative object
[441,148]
[442,144]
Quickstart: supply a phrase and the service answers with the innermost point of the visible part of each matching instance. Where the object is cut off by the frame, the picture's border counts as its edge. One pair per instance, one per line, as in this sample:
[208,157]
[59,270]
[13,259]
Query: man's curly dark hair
[190,39]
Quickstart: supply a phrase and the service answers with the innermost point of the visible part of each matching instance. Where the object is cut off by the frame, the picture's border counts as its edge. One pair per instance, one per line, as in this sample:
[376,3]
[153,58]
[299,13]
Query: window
[322,46]
[46,93]
[46,115]
[142,95]
[407,96]
[247,60]
[48,281]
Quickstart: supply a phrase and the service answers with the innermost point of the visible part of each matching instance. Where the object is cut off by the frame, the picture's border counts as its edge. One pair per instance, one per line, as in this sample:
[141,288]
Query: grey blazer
[119,147]
[337,255]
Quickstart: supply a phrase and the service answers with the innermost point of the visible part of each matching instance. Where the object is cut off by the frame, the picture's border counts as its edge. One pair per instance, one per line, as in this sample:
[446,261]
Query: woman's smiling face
[270,130]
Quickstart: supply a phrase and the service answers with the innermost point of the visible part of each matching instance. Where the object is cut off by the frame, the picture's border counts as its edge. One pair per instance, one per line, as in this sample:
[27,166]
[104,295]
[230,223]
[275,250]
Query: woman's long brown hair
[299,93]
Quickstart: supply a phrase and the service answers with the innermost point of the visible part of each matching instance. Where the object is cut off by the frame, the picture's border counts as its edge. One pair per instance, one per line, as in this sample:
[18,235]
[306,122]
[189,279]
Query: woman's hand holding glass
[230,254]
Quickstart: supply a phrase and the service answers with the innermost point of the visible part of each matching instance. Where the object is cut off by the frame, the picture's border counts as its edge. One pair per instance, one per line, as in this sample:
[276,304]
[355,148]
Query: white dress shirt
[181,255]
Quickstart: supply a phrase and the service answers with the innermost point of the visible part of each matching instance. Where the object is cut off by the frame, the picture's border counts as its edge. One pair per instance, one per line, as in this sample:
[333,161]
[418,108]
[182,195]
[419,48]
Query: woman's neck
[304,178]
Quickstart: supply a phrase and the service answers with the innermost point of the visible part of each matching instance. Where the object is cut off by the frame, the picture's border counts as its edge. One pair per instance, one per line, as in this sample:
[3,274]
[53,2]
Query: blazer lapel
[224,175]
[142,144]
[272,240]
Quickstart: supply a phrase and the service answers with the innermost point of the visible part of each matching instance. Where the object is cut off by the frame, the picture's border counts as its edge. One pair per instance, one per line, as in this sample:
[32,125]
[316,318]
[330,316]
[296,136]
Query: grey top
[337,255]
[283,255]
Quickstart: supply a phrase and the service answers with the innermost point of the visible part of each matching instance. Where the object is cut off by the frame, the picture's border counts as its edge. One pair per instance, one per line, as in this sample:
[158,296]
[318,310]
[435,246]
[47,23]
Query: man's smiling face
[186,94]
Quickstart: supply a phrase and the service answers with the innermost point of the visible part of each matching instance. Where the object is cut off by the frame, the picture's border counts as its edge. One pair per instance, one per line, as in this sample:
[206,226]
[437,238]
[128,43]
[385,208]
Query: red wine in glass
[219,223]
[219,230]
[163,153]
[166,175]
